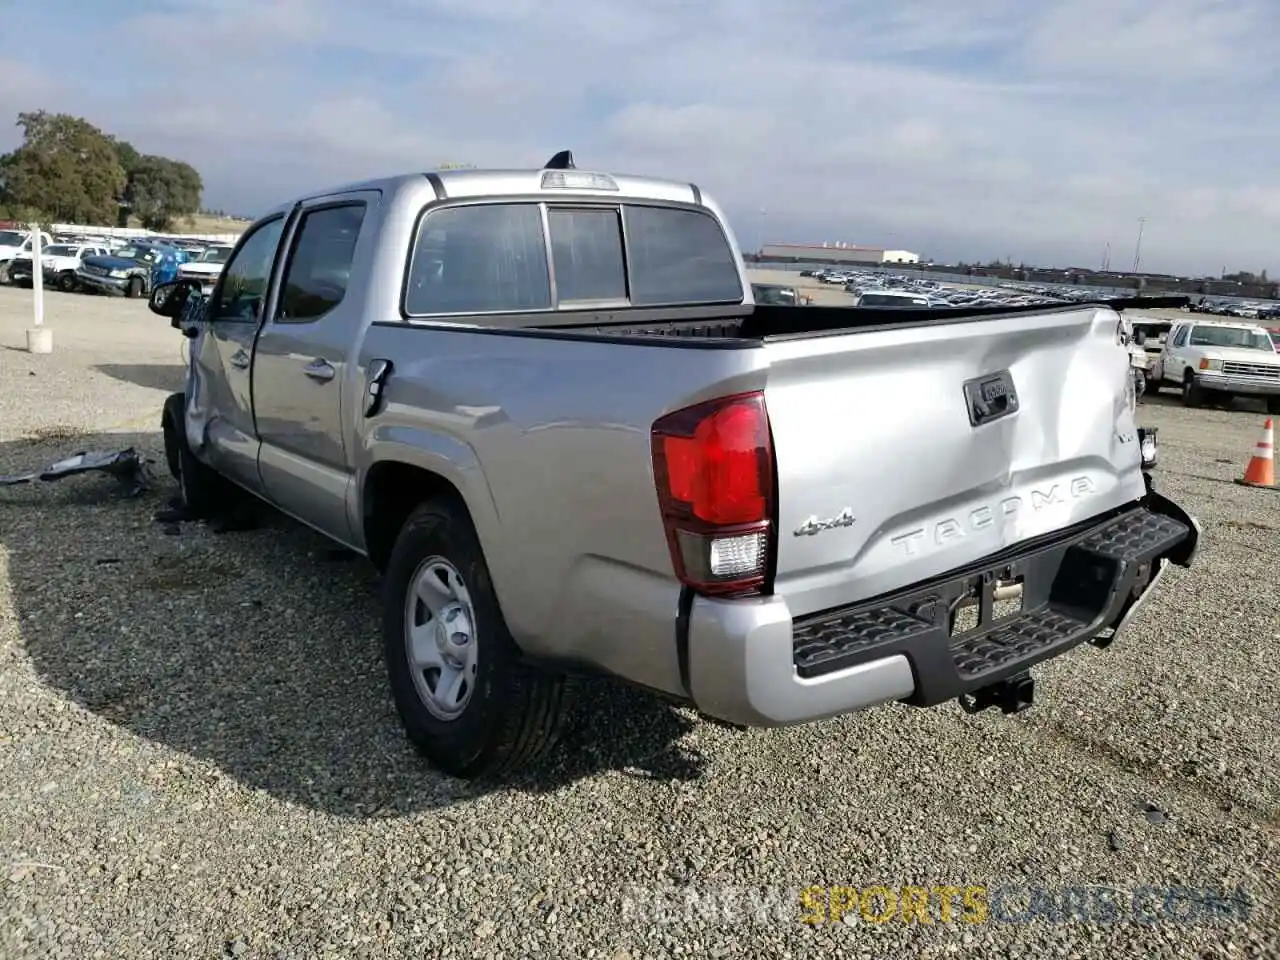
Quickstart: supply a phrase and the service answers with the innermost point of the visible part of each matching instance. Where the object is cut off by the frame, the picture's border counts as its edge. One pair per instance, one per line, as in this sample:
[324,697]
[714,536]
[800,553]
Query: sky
[1037,130]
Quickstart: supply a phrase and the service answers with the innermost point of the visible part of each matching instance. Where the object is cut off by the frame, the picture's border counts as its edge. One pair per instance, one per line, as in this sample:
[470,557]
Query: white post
[39,339]
[37,276]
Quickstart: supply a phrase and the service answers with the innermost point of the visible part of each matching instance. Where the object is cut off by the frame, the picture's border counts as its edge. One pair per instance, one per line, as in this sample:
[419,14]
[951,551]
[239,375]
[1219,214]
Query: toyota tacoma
[544,404]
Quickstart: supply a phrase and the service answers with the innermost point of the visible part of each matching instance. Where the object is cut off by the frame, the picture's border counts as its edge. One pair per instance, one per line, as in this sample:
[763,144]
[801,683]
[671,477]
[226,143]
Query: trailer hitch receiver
[1013,695]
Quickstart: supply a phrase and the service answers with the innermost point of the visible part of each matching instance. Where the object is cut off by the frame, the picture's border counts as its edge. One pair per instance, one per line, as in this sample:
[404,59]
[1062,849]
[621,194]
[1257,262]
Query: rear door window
[481,258]
[320,266]
[679,257]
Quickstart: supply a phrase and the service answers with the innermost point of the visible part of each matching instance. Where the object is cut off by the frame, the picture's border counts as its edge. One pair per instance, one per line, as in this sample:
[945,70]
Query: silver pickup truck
[544,405]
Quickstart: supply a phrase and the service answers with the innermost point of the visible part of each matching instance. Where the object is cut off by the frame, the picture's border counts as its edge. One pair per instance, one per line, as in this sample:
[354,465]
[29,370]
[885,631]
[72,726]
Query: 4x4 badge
[814,526]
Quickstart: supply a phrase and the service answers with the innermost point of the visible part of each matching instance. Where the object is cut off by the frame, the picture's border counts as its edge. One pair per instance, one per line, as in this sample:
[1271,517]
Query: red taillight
[713,463]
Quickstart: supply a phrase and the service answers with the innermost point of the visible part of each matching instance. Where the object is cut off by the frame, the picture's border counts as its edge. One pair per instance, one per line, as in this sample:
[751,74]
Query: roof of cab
[461,183]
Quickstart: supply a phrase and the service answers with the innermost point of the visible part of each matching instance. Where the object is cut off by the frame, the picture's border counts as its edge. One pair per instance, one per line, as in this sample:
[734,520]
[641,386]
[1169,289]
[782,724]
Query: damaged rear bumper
[749,663]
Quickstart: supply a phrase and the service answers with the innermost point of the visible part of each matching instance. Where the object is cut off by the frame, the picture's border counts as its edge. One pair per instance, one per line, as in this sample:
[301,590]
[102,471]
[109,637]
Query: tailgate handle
[990,397]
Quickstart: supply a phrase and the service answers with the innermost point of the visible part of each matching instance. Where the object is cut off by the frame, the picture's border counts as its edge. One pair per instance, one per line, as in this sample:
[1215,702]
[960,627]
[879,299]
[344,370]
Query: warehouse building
[835,253]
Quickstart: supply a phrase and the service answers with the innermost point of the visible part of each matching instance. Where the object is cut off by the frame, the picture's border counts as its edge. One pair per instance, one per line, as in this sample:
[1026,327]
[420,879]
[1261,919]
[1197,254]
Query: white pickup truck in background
[206,268]
[1219,359]
[14,244]
[59,262]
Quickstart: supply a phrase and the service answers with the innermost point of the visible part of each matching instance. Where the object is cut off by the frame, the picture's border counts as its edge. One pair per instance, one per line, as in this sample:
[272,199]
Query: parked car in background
[892,298]
[1146,339]
[1219,358]
[59,263]
[131,271]
[1247,311]
[14,244]
[207,267]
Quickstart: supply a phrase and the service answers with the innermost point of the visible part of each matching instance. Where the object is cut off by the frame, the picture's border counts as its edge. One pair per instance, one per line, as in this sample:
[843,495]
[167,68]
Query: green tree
[67,169]
[126,153]
[161,190]
[128,157]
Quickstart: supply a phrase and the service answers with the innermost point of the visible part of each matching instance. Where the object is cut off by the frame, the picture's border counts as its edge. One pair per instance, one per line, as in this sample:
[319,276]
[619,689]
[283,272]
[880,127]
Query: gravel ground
[199,756]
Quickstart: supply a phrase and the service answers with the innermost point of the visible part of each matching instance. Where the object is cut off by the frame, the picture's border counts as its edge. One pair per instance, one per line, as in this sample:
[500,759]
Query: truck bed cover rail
[779,320]
[771,319]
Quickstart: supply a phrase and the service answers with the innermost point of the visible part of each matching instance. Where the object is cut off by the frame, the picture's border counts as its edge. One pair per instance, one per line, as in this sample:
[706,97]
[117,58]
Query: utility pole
[1137,249]
[1106,258]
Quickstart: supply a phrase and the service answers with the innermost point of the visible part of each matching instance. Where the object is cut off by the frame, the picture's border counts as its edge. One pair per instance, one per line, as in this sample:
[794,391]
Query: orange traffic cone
[1261,471]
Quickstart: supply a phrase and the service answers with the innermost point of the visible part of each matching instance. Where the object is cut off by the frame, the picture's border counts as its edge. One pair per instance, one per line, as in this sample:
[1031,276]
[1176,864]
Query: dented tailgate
[903,453]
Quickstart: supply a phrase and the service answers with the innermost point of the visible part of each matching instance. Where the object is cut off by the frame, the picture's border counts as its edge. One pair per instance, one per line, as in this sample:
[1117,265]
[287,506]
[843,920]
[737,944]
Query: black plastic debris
[127,466]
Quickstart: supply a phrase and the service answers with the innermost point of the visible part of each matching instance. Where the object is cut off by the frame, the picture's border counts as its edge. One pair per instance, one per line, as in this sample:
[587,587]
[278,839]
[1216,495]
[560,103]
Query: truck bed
[868,414]
[772,321]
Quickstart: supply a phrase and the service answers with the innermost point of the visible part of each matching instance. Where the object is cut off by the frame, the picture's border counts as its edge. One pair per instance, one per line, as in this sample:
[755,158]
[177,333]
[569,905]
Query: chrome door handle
[240,360]
[319,369]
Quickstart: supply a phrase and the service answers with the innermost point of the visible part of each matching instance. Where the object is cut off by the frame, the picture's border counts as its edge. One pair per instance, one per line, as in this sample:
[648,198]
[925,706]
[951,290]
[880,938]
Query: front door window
[243,285]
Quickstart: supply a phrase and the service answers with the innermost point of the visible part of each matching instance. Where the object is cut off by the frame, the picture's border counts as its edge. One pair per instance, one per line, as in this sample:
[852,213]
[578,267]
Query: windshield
[145,254]
[11,238]
[216,255]
[58,250]
[1230,337]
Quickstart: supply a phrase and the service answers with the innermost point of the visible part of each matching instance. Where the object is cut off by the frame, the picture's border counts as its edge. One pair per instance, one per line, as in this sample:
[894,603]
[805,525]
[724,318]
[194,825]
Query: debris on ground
[128,466]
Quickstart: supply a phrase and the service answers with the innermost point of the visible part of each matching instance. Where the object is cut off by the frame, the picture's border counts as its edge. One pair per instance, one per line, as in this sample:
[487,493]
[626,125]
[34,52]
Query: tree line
[69,171]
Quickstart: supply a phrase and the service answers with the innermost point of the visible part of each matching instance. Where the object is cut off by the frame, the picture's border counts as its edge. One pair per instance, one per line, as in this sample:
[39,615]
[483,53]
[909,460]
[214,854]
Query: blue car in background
[131,271]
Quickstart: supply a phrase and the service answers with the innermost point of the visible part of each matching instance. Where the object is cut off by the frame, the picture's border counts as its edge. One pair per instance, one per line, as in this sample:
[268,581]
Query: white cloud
[1172,43]
[992,128]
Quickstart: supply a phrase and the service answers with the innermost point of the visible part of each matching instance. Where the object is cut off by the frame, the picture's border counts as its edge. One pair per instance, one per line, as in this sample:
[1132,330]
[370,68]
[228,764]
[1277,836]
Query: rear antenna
[561,161]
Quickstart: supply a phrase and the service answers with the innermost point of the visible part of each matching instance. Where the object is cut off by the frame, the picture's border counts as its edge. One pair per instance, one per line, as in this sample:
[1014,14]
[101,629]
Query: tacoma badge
[813,526]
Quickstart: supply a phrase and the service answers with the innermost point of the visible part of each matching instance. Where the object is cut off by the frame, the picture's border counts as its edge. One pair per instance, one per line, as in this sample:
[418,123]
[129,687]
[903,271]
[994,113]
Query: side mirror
[1140,337]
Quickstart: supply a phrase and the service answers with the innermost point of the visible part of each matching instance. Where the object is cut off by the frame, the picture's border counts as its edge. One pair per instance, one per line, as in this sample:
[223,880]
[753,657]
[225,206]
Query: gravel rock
[199,756]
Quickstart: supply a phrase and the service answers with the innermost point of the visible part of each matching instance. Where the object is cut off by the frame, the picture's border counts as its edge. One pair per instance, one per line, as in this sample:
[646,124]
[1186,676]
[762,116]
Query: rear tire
[442,626]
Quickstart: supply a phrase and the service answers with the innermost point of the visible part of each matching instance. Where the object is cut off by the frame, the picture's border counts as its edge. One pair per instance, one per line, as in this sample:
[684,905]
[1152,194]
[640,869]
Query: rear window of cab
[493,258]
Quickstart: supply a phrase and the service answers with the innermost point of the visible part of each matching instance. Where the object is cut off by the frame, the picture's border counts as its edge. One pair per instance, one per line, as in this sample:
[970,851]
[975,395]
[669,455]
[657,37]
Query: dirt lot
[199,756]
